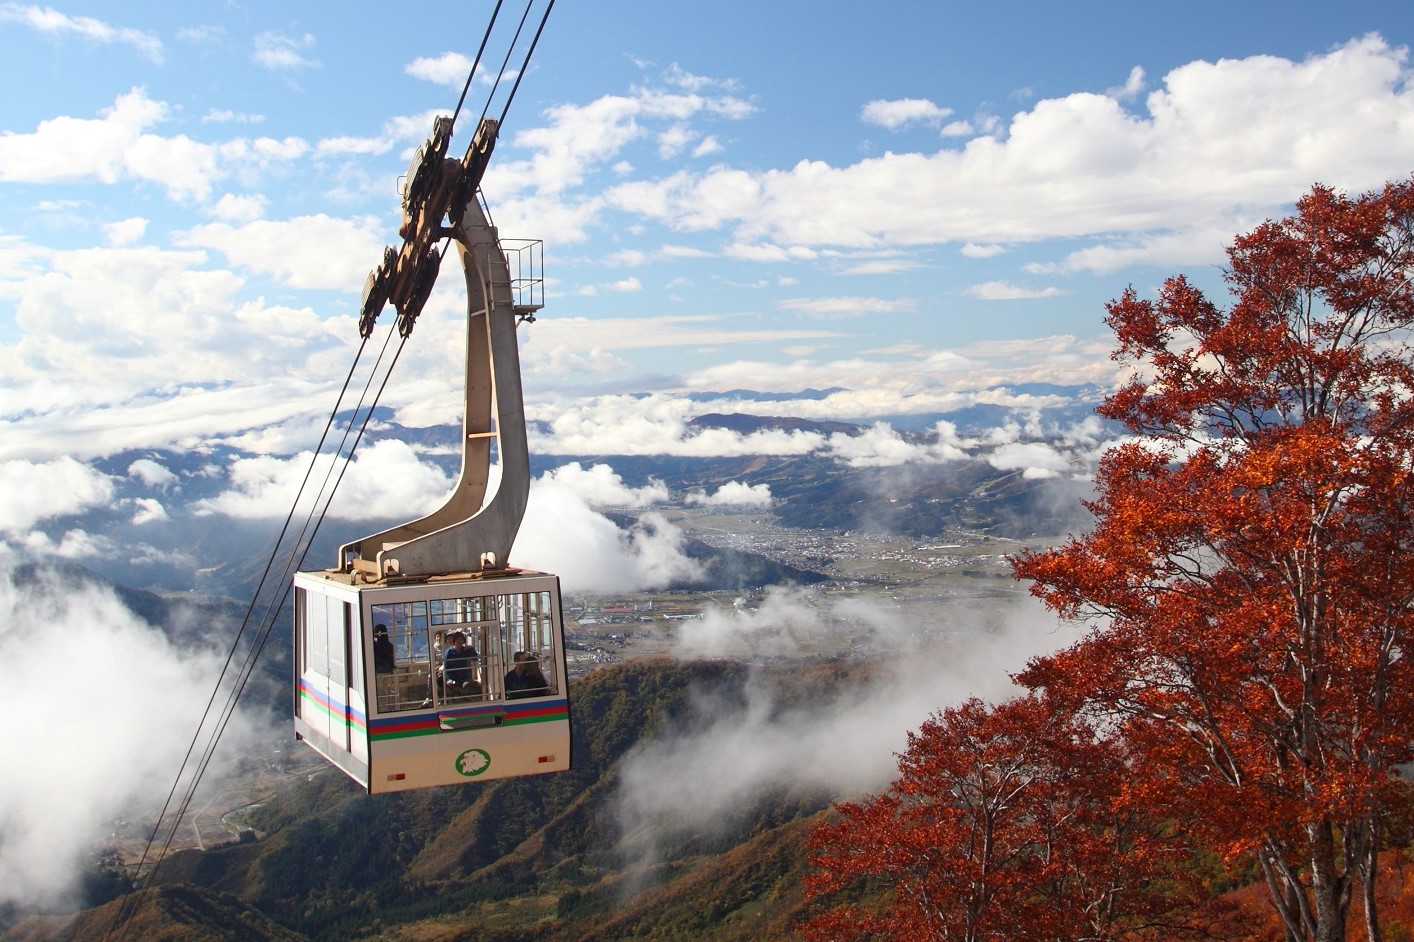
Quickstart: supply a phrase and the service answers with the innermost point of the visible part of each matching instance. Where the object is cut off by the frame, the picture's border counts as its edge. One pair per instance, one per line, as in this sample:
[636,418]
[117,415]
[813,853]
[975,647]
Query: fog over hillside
[845,741]
[102,706]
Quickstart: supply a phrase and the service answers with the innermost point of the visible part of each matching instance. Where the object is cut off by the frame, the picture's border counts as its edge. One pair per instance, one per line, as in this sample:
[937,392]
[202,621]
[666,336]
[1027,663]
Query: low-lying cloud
[101,707]
[843,741]
[563,533]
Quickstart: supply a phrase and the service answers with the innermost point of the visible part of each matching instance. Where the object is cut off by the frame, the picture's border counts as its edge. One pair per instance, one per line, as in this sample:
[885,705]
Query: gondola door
[330,709]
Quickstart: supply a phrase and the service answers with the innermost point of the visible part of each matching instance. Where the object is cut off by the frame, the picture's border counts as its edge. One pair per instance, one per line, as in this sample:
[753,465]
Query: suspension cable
[525,64]
[504,61]
[476,62]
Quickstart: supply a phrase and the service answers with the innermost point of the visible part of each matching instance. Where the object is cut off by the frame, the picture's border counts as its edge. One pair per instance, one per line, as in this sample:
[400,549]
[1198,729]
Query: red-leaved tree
[1005,823]
[1250,574]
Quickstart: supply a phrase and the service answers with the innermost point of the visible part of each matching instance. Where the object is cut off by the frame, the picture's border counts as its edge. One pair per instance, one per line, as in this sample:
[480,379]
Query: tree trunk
[1330,891]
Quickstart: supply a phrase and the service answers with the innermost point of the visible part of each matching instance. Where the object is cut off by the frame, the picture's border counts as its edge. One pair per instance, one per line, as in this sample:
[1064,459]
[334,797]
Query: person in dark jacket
[525,678]
[384,660]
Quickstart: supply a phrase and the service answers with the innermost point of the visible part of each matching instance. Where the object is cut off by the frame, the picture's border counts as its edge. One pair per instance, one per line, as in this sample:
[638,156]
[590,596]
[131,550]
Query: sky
[917,206]
[914,206]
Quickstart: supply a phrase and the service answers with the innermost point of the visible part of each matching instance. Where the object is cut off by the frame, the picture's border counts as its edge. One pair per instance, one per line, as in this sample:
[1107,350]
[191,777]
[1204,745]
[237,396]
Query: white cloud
[125,231]
[973,250]
[562,535]
[602,336]
[346,145]
[119,146]
[1242,132]
[653,425]
[900,112]
[36,492]
[151,473]
[881,446]
[106,149]
[579,139]
[105,323]
[239,209]
[1033,459]
[1006,291]
[732,494]
[318,251]
[47,20]
[600,487]
[52,820]
[846,307]
[227,116]
[708,146]
[281,52]
[449,69]
[1133,86]
[844,741]
[148,510]
[385,480]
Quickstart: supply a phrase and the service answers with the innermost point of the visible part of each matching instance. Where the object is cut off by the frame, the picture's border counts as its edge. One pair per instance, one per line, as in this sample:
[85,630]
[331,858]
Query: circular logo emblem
[473,762]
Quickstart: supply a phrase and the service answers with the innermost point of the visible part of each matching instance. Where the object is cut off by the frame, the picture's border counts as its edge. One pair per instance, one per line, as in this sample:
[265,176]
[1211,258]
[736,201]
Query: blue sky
[925,206]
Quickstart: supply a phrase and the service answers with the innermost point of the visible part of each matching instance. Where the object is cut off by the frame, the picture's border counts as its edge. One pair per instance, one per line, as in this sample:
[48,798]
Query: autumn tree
[1250,573]
[1005,823]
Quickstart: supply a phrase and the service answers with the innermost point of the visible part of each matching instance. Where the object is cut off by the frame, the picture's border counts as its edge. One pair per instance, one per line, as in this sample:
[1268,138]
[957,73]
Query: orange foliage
[1250,585]
[1008,823]
[1251,570]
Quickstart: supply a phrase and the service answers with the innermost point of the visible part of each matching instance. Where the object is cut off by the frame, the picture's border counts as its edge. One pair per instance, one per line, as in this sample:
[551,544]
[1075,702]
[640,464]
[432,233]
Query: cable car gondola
[422,658]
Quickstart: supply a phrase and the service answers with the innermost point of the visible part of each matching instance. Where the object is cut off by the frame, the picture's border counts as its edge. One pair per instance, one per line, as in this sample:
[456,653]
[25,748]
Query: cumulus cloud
[237,208]
[148,510]
[881,446]
[35,492]
[661,425]
[120,146]
[385,480]
[151,473]
[318,251]
[896,113]
[1006,291]
[77,780]
[125,231]
[562,534]
[1237,132]
[578,140]
[109,322]
[601,487]
[598,338]
[732,494]
[846,307]
[649,425]
[449,69]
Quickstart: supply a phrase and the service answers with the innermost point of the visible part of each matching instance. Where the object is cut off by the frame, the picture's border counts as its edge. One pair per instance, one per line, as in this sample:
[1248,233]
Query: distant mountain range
[817,490]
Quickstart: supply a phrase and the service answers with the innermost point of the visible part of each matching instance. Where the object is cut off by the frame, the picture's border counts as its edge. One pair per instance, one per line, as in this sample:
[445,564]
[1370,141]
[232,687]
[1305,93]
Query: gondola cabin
[432,683]
[423,658]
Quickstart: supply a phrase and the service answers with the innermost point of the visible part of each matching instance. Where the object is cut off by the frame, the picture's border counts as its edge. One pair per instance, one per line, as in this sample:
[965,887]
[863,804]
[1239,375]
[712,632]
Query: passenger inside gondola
[384,658]
[460,667]
[526,679]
